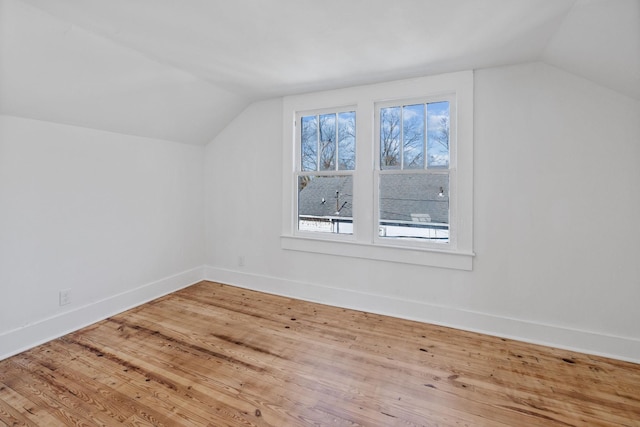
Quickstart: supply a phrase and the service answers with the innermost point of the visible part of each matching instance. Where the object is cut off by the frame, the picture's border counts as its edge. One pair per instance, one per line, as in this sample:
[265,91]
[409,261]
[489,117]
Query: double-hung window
[382,172]
[327,159]
[414,151]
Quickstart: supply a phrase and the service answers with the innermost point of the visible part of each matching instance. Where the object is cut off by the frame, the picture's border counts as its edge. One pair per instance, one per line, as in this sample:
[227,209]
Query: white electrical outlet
[241,261]
[65,297]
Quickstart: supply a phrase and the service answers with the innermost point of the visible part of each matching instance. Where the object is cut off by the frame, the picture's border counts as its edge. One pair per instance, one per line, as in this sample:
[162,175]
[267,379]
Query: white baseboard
[621,348]
[24,338]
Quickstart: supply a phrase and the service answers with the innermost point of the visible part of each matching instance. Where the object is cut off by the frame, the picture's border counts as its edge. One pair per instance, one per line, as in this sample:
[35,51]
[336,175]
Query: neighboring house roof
[403,197]
[318,197]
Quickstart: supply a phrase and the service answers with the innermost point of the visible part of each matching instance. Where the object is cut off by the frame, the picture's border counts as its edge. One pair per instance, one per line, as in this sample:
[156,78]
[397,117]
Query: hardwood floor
[215,355]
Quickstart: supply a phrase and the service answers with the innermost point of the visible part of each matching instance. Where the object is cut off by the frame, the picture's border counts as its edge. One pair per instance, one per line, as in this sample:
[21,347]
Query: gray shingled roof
[403,197]
[310,199]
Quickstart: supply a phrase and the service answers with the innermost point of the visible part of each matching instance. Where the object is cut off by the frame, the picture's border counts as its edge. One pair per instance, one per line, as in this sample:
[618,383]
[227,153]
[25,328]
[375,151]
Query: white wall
[116,219]
[119,220]
[557,203]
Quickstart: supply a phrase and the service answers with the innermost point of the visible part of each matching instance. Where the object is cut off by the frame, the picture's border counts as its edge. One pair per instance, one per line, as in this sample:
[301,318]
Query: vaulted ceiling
[181,70]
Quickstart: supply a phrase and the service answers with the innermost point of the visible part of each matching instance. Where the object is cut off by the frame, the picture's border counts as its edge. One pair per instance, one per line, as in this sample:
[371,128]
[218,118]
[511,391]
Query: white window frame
[365,243]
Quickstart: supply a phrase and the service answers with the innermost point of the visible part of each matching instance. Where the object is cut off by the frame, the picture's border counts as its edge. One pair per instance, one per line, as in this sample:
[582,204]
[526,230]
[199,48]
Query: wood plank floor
[216,355]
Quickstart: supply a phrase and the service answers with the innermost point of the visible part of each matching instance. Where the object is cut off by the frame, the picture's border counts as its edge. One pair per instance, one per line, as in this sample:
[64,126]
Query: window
[382,172]
[413,172]
[326,161]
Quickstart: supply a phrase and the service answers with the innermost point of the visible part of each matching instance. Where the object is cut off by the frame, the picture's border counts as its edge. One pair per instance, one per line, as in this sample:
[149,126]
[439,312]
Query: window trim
[363,244]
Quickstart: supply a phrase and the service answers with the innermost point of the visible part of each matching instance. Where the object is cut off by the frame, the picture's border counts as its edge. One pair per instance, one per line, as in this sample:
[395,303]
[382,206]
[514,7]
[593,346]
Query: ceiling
[182,70]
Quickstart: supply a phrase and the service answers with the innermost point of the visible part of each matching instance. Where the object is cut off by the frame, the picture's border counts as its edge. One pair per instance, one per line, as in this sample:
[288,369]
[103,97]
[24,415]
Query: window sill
[417,256]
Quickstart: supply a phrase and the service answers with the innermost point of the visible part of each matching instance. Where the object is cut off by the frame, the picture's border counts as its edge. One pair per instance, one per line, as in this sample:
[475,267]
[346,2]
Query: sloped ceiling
[181,70]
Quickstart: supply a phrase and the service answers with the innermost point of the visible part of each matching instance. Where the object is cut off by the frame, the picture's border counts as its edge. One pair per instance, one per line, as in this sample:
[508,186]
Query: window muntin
[413,176]
[325,182]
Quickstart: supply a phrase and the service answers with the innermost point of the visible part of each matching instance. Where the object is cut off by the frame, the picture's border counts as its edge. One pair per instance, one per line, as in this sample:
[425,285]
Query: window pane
[327,137]
[390,138]
[413,136]
[325,204]
[438,134]
[414,206]
[309,143]
[347,140]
